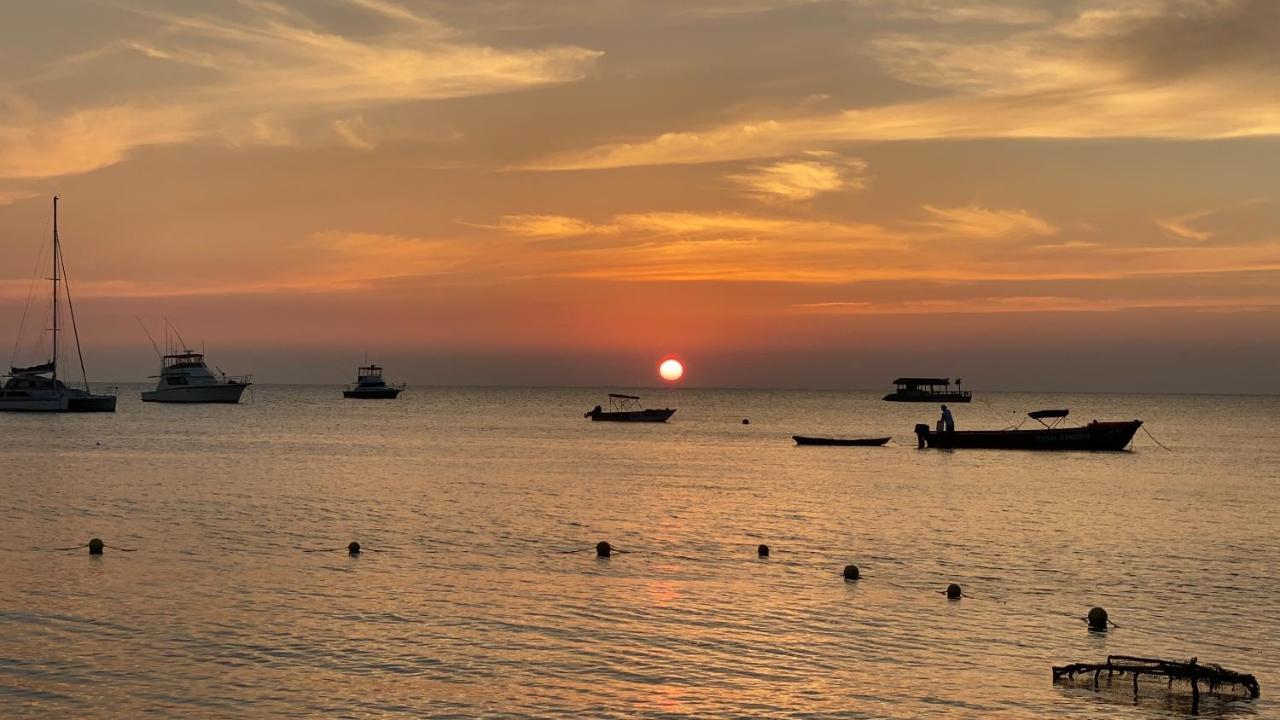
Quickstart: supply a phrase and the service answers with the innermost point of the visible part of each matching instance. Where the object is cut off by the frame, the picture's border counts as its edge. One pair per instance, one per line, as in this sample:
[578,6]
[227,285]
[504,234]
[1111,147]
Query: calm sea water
[468,605]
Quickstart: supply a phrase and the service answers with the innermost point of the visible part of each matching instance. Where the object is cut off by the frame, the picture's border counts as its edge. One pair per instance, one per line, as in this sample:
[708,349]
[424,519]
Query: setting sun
[671,370]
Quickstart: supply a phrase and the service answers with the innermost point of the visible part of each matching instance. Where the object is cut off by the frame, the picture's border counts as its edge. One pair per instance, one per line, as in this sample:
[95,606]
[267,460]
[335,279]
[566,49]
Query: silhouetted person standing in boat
[948,422]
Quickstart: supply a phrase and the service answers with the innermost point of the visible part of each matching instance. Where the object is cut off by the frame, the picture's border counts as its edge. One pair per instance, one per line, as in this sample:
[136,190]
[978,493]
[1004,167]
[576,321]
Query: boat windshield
[183,360]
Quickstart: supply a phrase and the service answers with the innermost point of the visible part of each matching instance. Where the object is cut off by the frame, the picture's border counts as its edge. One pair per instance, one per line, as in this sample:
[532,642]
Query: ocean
[478,594]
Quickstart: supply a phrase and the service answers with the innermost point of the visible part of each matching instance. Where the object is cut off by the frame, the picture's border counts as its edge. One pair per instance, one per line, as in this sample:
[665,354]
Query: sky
[1057,195]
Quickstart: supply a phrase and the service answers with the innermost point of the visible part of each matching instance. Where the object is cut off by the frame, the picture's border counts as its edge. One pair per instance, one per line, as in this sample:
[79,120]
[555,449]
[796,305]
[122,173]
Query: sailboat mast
[56,251]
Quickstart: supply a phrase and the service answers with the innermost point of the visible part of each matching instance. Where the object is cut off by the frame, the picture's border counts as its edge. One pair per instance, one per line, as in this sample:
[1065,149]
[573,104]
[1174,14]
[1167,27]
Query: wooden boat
[626,408]
[915,389]
[842,442]
[1094,436]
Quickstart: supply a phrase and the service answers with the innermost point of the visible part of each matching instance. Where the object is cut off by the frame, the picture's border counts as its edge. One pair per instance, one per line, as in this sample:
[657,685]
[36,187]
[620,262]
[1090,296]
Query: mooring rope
[1153,439]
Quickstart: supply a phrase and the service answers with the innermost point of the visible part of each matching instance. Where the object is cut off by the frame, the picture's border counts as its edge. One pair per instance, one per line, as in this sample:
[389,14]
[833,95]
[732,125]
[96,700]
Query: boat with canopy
[1051,435]
[627,408]
[924,389]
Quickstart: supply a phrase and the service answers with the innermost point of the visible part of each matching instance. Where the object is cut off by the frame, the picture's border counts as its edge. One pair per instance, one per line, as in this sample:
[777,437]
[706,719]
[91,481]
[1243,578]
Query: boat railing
[237,379]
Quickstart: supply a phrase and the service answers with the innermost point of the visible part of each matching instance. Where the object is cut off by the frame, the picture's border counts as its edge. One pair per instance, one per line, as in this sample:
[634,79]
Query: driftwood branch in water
[1213,676]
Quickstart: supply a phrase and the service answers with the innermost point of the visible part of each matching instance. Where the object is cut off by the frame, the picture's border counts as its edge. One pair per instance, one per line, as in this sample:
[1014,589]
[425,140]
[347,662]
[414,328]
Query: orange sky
[1056,195]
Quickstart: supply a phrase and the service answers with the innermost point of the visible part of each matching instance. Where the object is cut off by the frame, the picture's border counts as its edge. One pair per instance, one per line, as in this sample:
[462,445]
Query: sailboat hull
[74,404]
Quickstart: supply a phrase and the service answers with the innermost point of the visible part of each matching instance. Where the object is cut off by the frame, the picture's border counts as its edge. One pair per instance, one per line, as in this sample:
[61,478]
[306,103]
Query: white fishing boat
[370,386]
[185,378]
[37,388]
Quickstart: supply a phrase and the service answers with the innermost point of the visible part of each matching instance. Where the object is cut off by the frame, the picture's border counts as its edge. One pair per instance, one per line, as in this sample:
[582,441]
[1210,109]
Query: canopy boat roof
[922,381]
[1041,414]
[624,397]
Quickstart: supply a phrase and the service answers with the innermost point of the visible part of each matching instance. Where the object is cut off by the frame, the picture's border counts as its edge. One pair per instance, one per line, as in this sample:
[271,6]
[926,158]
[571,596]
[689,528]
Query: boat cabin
[370,376]
[927,389]
[182,360]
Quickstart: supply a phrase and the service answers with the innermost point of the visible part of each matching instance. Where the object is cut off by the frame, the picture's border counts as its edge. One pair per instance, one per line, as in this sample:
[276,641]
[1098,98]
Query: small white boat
[370,386]
[37,388]
[185,378]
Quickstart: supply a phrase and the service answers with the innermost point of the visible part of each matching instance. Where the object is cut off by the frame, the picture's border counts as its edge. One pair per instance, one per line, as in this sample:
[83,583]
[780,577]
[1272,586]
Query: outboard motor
[922,431]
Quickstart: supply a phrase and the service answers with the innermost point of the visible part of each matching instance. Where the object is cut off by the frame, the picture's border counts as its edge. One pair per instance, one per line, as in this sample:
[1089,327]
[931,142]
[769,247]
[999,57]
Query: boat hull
[70,404]
[1105,436]
[377,394]
[951,397]
[841,442]
[647,415]
[225,393]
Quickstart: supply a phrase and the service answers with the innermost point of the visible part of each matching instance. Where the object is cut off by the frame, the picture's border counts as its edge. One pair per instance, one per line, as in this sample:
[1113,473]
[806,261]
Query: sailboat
[36,388]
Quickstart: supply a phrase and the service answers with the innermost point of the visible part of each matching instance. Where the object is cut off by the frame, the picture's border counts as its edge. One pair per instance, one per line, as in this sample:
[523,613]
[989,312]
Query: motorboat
[627,408]
[1051,435]
[921,389]
[38,388]
[185,378]
[370,386]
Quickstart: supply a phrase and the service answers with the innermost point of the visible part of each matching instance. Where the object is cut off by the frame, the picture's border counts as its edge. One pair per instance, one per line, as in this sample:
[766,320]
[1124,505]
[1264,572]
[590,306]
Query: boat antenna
[151,339]
[170,326]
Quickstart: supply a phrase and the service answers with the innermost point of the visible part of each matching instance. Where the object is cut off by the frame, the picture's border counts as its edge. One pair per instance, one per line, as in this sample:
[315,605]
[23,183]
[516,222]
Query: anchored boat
[916,389]
[842,442]
[370,386]
[36,388]
[185,378]
[626,408]
[1051,436]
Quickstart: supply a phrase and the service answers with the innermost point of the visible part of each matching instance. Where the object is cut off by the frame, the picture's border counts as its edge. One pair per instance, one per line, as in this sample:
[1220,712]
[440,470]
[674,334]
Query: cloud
[1177,70]
[85,140]
[979,222]
[548,226]
[802,178]
[1181,227]
[1034,304]
[354,132]
[260,70]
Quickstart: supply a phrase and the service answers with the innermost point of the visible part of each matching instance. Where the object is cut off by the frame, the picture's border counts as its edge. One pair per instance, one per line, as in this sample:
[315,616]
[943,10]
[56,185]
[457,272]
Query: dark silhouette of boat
[370,386]
[916,389]
[1094,436]
[843,442]
[626,408]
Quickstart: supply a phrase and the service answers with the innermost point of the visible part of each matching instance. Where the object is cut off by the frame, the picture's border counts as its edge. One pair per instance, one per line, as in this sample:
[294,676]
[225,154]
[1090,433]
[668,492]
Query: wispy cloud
[980,222]
[1096,74]
[265,67]
[802,178]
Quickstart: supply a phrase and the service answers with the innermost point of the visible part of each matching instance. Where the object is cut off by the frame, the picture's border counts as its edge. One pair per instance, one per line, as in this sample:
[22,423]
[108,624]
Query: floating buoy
[1097,619]
[353,548]
[603,549]
[95,546]
[763,551]
[851,572]
[746,421]
[954,592]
